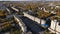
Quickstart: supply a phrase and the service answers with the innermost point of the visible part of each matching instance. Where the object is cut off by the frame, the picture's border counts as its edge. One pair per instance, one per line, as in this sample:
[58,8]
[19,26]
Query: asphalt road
[32,26]
[35,29]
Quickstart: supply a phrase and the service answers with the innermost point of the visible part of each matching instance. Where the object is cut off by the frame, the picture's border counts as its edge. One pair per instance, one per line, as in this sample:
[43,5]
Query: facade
[21,24]
[55,26]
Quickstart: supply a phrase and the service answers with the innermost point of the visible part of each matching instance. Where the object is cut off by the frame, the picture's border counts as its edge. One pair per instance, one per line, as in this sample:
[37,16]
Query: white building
[55,26]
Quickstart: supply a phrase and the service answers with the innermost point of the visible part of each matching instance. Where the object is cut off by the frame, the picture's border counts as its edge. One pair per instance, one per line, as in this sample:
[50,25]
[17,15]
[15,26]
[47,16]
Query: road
[35,29]
[32,26]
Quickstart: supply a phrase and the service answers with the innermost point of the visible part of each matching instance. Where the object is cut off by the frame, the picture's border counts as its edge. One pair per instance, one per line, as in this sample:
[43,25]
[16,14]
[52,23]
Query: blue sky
[29,0]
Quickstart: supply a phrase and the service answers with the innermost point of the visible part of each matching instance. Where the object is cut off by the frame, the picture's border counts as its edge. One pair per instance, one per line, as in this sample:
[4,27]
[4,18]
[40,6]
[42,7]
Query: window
[59,23]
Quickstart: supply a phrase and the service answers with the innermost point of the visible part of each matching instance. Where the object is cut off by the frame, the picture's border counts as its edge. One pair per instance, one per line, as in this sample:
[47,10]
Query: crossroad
[32,25]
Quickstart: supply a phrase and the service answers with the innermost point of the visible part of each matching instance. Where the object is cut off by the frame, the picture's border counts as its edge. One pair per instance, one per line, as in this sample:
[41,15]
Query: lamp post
[55,24]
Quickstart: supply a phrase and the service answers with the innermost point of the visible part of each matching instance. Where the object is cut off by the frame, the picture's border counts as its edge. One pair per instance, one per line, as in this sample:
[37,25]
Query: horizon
[29,0]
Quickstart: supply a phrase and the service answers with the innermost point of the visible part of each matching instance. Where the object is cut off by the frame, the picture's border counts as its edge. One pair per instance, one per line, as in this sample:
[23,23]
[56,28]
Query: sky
[29,0]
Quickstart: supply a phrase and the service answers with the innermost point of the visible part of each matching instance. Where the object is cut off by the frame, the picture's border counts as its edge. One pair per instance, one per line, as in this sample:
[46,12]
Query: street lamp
[55,24]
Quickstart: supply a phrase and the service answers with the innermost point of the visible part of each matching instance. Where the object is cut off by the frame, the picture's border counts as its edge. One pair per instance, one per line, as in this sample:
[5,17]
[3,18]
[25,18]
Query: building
[55,26]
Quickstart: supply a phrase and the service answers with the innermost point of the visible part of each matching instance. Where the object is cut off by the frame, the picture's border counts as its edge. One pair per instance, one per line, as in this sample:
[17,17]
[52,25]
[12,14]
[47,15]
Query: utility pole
[55,24]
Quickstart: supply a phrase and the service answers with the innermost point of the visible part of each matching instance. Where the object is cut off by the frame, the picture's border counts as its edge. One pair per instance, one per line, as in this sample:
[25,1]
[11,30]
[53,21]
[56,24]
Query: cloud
[29,0]
[52,0]
[20,0]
